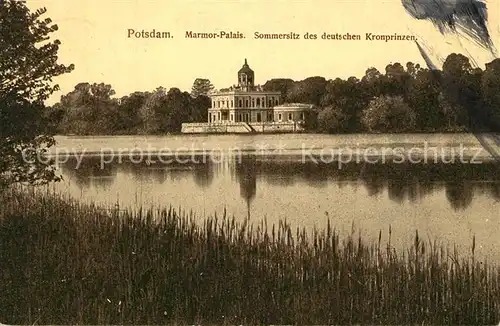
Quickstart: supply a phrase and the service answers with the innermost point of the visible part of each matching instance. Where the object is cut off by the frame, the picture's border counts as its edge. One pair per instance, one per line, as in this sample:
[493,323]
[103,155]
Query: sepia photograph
[253,162]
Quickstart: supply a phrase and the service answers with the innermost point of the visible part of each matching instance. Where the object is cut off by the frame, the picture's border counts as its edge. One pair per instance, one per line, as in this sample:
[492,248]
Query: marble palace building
[246,107]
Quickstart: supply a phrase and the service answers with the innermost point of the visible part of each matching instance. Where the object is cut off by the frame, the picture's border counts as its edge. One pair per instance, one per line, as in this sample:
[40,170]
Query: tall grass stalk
[64,262]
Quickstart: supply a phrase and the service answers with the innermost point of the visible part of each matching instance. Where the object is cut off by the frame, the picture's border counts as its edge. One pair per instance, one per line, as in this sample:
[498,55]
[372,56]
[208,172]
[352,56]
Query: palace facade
[246,107]
[243,102]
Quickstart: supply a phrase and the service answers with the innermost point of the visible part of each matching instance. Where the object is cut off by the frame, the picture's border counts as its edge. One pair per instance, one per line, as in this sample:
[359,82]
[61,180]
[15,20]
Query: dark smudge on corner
[462,17]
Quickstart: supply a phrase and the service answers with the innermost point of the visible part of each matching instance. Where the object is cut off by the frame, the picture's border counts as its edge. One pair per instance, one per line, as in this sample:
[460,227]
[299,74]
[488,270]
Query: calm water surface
[449,202]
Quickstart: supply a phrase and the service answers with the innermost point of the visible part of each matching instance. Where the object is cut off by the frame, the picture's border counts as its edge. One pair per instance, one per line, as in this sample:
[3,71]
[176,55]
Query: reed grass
[65,262]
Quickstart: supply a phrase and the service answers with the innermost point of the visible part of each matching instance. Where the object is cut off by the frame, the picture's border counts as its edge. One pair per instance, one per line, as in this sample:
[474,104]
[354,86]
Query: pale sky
[94,38]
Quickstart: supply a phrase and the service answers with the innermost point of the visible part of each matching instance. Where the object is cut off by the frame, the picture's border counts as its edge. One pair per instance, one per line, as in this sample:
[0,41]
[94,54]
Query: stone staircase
[248,127]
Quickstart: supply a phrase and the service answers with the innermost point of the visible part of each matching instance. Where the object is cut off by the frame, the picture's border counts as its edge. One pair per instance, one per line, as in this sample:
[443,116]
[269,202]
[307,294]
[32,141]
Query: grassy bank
[66,262]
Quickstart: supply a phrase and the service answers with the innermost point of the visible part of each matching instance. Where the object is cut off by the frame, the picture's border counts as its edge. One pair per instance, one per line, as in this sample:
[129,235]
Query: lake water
[450,196]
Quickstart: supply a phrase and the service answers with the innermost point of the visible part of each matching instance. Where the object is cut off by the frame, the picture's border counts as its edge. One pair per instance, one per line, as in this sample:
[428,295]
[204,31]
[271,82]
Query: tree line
[407,98]
[403,99]
[91,109]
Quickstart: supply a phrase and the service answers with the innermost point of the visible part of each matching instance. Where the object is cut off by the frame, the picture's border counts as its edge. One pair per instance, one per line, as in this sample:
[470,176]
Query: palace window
[279,117]
[232,103]
[258,102]
[239,117]
[269,116]
[232,118]
[218,104]
[241,103]
[253,102]
[289,116]
[276,101]
[270,103]
[302,116]
[246,102]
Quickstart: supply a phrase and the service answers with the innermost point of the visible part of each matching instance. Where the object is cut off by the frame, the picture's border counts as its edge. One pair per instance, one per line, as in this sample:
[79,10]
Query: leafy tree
[54,116]
[412,69]
[282,85]
[199,109]
[372,81]
[175,109]
[490,86]
[331,120]
[201,86]
[395,81]
[149,112]
[165,111]
[423,98]
[309,90]
[351,96]
[28,63]
[128,112]
[462,86]
[452,116]
[90,109]
[388,114]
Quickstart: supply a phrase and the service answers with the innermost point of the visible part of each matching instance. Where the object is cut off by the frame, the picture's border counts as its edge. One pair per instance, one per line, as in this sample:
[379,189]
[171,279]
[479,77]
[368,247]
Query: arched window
[270,102]
[258,102]
[253,102]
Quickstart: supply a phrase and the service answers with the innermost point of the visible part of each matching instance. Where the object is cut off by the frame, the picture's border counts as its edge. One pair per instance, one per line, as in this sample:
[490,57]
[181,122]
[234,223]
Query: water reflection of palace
[402,182]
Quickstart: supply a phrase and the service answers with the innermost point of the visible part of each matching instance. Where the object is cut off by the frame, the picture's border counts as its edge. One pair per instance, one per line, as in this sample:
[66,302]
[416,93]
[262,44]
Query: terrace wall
[241,127]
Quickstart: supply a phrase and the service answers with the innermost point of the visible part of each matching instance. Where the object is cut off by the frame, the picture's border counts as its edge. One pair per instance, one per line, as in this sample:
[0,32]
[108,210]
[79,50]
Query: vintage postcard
[249,162]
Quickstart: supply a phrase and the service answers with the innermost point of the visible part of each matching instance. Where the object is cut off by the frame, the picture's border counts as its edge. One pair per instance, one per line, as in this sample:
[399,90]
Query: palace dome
[245,69]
